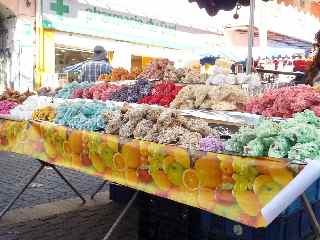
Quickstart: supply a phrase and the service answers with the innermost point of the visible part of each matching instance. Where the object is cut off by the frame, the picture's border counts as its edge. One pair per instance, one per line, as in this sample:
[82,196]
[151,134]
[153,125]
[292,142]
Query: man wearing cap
[99,65]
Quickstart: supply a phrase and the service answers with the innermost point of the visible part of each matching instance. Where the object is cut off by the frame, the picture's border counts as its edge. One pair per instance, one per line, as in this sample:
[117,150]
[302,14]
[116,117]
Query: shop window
[67,57]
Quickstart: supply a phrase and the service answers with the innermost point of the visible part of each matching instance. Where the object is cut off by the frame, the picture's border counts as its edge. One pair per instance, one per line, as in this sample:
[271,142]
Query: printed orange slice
[119,162]
[190,180]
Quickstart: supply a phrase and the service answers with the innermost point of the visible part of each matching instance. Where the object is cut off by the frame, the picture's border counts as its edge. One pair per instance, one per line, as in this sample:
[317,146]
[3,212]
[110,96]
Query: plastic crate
[295,226]
[162,219]
[120,194]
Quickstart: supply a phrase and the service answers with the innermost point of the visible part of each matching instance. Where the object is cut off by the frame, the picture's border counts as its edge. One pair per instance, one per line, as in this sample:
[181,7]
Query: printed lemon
[161,180]
[166,162]
[113,142]
[180,155]
[97,162]
[265,188]
[248,202]
[174,173]
[281,175]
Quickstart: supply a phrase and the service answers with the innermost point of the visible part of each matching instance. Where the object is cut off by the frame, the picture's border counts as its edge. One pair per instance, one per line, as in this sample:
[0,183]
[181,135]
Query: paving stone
[15,170]
[85,223]
[90,228]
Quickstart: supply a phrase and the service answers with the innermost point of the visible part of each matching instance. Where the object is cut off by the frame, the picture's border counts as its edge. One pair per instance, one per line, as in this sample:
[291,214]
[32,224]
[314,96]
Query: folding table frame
[304,199]
[42,166]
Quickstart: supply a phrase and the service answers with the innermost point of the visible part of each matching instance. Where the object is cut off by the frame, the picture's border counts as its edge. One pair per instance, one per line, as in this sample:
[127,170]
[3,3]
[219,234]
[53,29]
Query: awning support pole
[250,37]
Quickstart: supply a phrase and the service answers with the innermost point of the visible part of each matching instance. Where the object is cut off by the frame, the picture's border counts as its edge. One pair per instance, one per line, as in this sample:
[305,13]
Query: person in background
[313,73]
[99,64]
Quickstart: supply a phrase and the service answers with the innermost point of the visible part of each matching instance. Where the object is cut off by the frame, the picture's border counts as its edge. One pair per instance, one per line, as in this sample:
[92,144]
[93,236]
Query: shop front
[71,29]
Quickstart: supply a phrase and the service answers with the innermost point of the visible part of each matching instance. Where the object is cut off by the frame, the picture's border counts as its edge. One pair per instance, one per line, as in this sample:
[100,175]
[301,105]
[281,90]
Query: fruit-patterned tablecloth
[252,191]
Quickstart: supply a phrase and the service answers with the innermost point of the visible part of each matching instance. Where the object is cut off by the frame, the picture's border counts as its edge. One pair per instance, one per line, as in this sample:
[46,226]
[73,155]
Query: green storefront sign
[59,7]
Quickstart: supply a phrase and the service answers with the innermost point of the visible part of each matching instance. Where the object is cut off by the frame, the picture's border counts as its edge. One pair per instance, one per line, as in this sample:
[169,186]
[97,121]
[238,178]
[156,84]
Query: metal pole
[122,214]
[67,182]
[98,189]
[312,216]
[250,37]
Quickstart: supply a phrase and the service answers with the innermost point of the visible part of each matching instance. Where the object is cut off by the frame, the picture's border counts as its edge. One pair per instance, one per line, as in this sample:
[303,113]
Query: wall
[18,17]
[20,8]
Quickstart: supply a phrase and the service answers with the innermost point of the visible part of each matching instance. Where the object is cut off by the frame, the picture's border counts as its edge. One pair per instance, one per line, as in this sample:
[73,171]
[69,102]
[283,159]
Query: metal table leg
[98,189]
[122,214]
[312,217]
[68,183]
[42,166]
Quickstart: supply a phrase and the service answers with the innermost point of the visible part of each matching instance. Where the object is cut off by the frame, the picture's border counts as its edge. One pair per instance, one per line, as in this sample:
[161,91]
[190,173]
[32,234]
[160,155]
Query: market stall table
[198,179]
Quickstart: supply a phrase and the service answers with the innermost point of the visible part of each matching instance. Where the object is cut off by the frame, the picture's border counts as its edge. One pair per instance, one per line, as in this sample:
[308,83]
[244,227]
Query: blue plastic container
[295,226]
[120,194]
[162,219]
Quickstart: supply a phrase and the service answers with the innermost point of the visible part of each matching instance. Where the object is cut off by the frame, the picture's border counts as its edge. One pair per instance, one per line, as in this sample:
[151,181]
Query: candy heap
[162,94]
[6,106]
[83,115]
[120,73]
[286,101]
[73,90]
[132,93]
[296,139]
[100,91]
[47,91]
[153,124]
[44,114]
[24,111]
[211,144]
[189,75]
[117,74]
[223,98]
[15,96]
[170,74]
[155,70]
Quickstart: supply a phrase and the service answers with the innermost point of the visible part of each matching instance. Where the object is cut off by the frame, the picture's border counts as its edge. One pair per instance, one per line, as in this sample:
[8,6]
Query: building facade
[17,44]
[69,30]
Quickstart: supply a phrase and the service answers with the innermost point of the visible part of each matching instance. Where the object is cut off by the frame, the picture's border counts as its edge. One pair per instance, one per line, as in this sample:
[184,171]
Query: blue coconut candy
[83,115]
[68,89]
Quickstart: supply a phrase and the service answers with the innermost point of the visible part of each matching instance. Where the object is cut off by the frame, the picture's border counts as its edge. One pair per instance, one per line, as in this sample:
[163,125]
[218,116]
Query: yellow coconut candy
[44,114]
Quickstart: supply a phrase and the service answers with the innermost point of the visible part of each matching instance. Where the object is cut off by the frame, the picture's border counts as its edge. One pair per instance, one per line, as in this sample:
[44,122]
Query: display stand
[122,214]
[42,166]
[99,189]
[312,217]
[250,37]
